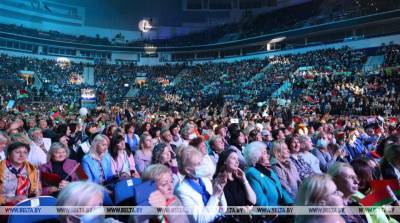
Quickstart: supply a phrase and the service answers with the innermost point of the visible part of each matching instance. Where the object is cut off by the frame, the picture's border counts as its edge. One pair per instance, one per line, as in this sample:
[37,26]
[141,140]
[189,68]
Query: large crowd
[328,80]
[194,137]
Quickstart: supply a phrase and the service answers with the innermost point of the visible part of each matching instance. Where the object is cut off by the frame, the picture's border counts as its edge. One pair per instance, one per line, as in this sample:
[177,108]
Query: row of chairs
[129,192]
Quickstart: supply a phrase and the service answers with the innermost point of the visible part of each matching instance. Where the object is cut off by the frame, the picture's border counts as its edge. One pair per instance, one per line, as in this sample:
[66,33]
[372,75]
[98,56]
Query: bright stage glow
[144,25]
[277,40]
[150,49]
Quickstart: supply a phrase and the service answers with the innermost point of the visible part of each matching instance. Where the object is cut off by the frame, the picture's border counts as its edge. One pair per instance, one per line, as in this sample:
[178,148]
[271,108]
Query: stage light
[144,25]
[277,40]
[150,49]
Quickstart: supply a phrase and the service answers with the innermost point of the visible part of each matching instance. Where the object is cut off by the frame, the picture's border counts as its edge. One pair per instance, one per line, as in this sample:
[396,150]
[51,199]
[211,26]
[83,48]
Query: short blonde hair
[98,139]
[313,190]
[78,194]
[155,172]
[185,156]
[213,139]
[337,169]
[278,147]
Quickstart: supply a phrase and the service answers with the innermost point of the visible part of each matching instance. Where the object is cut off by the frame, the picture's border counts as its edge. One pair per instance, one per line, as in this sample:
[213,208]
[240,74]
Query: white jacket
[36,154]
[193,201]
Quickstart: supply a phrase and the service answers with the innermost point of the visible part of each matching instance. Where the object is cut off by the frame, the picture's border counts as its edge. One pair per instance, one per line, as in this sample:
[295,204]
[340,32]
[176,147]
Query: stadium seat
[124,191]
[42,201]
[107,201]
[143,191]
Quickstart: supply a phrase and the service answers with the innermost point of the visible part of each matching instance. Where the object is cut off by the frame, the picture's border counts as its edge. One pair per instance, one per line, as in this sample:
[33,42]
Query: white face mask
[199,172]
[192,136]
[322,143]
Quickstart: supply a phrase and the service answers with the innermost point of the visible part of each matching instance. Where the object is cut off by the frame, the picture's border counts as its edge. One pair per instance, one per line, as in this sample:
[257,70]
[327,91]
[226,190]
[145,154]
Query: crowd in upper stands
[329,80]
[194,137]
[306,14]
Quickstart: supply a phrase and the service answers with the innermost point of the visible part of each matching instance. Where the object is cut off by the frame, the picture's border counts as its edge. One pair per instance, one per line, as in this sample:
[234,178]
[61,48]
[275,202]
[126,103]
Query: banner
[180,210]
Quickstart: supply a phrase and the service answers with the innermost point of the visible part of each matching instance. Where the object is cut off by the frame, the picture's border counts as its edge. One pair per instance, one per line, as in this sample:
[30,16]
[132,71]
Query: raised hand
[157,199]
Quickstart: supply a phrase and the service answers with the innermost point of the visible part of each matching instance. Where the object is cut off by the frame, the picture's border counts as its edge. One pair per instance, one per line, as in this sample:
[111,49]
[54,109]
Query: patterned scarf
[23,181]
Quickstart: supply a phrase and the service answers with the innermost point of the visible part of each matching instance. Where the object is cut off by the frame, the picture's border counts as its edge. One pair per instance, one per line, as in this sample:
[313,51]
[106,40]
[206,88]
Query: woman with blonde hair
[163,196]
[83,194]
[61,166]
[143,155]
[97,163]
[318,190]
[284,167]
[203,198]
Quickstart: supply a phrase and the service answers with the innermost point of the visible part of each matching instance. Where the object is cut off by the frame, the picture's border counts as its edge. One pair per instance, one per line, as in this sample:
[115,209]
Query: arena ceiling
[125,14]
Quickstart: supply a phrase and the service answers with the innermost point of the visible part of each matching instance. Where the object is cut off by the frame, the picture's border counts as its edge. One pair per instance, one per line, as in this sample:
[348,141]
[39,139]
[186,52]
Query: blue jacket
[92,169]
[267,189]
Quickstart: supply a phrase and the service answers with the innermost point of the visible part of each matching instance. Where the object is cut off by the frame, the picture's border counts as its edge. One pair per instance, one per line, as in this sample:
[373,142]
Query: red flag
[50,179]
[377,185]
[380,197]
[81,173]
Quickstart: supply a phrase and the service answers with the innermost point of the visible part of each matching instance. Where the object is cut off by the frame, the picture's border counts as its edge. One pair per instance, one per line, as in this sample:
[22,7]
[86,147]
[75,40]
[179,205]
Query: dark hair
[253,135]
[109,128]
[62,129]
[153,131]
[196,141]
[389,140]
[128,126]
[173,126]
[72,126]
[234,136]
[221,161]
[113,146]
[157,151]
[364,172]
[144,126]
[275,132]
[16,145]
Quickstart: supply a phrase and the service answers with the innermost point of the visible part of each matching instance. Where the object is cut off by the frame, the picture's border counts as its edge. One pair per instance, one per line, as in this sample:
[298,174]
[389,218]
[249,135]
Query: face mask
[192,136]
[197,173]
[322,143]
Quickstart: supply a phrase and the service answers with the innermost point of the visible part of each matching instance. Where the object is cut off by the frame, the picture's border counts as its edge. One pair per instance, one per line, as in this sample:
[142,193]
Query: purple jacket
[68,166]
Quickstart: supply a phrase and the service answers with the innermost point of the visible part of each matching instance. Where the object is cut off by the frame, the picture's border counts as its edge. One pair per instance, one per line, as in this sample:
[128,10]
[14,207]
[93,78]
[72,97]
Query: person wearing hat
[18,178]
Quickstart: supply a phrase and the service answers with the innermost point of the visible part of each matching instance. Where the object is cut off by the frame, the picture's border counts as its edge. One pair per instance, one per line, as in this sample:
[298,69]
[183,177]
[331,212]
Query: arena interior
[199,111]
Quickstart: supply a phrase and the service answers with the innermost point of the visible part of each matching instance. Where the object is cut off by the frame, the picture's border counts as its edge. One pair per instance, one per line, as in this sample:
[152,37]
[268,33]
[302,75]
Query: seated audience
[59,165]
[237,190]
[122,162]
[318,190]
[18,178]
[143,155]
[284,167]
[203,198]
[262,178]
